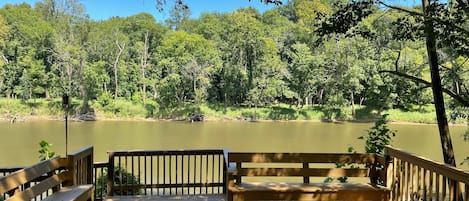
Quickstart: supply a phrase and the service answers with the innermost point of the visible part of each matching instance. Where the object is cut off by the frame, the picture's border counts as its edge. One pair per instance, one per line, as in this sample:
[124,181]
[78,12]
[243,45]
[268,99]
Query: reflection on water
[19,144]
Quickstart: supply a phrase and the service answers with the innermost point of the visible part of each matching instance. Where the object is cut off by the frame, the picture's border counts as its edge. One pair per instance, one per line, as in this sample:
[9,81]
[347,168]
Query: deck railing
[80,163]
[416,178]
[178,172]
[100,180]
[40,180]
[183,172]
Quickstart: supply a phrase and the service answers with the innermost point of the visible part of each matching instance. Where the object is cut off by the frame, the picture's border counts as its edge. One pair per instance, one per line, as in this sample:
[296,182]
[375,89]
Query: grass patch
[128,109]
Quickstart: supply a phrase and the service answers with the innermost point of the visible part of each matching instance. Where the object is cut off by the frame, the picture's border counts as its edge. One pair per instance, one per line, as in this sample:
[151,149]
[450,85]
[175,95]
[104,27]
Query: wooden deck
[177,175]
[169,198]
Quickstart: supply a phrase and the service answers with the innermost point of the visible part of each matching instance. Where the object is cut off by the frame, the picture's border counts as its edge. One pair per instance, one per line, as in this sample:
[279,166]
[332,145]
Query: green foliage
[323,57]
[378,136]
[341,165]
[45,151]
[105,99]
[121,176]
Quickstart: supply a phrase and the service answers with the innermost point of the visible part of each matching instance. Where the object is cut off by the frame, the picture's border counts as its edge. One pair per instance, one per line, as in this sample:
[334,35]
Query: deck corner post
[70,165]
[110,174]
[89,168]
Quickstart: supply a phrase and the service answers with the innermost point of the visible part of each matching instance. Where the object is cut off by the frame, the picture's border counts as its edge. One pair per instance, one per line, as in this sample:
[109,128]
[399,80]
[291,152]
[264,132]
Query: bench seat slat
[73,193]
[311,192]
[309,172]
[301,187]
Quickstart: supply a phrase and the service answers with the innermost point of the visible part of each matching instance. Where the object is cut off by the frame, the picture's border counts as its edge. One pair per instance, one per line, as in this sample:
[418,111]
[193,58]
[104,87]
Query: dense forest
[289,55]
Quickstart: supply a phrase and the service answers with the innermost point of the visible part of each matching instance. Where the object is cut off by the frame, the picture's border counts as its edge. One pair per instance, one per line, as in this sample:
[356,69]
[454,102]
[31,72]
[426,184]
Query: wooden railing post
[110,174]
[71,171]
[89,168]
[225,170]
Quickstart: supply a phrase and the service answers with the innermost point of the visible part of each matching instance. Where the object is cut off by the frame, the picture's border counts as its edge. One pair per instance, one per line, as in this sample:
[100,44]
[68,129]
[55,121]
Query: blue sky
[104,9]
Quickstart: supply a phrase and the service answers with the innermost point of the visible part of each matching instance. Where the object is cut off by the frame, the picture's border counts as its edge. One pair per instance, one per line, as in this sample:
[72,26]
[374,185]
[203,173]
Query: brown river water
[19,142]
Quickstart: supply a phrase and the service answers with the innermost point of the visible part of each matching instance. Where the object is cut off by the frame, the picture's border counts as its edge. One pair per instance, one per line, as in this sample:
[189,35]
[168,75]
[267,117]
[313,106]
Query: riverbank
[18,111]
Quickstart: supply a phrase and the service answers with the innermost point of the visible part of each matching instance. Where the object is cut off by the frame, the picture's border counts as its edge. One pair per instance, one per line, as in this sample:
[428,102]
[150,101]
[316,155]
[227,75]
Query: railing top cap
[175,151]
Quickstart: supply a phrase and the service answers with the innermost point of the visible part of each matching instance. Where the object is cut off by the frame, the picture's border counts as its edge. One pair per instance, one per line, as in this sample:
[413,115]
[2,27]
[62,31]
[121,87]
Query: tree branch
[415,13]
[460,99]
[5,59]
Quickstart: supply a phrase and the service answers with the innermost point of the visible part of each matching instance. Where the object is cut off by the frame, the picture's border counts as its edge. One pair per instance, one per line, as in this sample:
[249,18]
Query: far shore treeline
[282,64]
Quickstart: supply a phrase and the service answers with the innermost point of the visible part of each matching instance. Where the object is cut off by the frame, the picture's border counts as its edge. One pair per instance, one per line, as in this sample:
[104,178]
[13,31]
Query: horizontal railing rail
[416,178]
[173,172]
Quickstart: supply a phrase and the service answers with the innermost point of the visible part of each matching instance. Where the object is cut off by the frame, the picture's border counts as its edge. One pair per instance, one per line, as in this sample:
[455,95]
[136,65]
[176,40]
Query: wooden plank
[425,184]
[308,196]
[320,191]
[398,171]
[437,186]
[407,181]
[440,168]
[317,172]
[430,186]
[300,187]
[346,158]
[28,174]
[466,193]
[167,152]
[39,188]
[82,153]
[443,193]
[75,193]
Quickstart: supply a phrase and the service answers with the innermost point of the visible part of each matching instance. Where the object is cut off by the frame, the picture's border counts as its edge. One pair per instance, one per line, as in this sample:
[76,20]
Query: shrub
[120,176]
[45,152]
[378,136]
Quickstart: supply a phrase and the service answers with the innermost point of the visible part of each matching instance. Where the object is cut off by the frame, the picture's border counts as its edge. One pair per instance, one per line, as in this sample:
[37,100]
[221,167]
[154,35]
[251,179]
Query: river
[19,142]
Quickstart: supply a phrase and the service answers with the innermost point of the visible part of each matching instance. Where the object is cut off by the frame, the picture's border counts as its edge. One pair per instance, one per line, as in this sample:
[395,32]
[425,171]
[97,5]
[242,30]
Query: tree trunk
[445,137]
[321,93]
[116,63]
[144,66]
[352,101]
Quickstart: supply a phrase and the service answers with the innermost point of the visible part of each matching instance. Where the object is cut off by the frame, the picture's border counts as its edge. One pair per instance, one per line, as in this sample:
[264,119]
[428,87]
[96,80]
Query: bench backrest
[10,184]
[306,165]
[48,175]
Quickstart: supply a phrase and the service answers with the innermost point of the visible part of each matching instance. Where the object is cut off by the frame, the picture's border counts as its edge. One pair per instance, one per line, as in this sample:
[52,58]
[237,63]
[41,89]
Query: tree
[445,137]
[120,44]
[178,15]
[193,59]
[301,68]
[28,38]
[269,76]
[4,29]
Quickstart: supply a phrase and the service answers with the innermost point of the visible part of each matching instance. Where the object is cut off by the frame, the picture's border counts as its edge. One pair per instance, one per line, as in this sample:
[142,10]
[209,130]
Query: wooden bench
[287,176]
[56,179]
